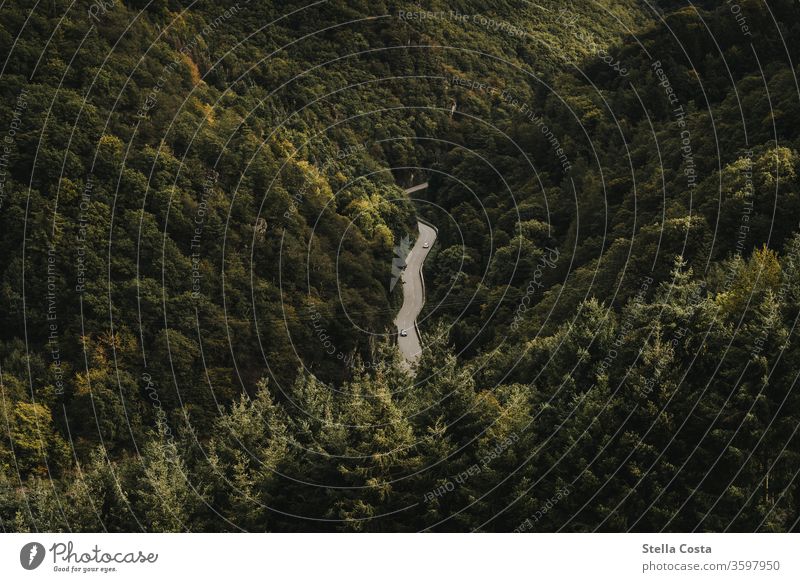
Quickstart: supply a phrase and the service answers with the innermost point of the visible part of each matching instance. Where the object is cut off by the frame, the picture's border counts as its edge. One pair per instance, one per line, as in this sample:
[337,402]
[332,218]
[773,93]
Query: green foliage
[206,204]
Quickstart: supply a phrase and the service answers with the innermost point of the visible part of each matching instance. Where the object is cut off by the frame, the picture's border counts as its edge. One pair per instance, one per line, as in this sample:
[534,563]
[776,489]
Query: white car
[403,333]
[425,245]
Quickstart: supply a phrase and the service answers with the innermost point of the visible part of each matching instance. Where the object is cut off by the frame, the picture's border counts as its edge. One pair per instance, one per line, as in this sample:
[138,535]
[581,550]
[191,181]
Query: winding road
[414,289]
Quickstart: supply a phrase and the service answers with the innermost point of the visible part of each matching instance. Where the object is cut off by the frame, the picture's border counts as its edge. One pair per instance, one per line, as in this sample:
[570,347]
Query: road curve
[413,289]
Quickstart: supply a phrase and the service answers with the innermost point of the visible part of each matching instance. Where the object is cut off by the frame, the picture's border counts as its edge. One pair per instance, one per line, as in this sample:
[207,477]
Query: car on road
[426,245]
[403,333]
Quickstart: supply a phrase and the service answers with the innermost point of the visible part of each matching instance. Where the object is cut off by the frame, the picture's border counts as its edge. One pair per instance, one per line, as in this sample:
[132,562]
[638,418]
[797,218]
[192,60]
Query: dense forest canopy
[200,203]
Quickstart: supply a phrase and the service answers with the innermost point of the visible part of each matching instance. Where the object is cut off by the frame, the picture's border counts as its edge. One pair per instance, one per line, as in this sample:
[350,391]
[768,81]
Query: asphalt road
[413,290]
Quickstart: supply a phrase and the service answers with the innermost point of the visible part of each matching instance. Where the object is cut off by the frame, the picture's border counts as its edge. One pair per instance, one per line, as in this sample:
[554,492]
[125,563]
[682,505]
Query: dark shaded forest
[200,203]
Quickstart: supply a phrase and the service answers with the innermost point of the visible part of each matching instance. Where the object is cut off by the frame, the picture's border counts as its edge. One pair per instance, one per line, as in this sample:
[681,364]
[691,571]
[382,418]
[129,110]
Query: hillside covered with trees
[200,204]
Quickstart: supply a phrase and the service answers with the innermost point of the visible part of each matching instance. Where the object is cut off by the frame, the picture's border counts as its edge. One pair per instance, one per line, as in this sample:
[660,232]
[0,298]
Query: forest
[199,198]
